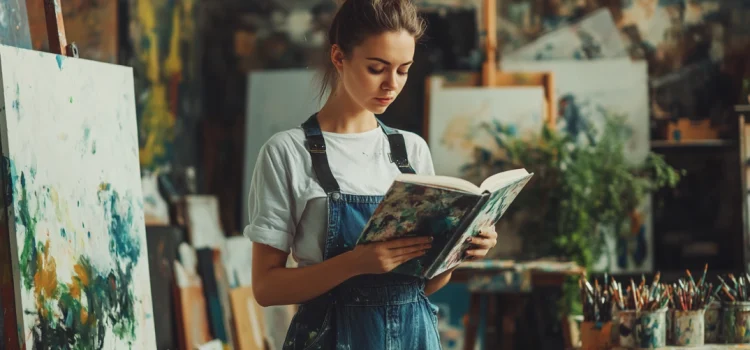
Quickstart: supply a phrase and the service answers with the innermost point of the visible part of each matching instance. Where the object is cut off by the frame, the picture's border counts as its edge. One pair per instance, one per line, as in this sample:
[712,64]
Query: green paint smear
[110,300]
[25,218]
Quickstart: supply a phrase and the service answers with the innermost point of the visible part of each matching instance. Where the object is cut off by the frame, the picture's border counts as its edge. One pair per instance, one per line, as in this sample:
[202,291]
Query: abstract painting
[166,64]
[72,191]
[588,92]
[456,116]
[593,37]
[689,45]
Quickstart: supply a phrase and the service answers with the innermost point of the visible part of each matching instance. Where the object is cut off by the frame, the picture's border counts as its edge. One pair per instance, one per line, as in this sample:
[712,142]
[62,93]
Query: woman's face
[376,71]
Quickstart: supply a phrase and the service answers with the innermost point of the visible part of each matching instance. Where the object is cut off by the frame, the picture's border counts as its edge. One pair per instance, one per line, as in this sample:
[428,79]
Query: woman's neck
[341,115]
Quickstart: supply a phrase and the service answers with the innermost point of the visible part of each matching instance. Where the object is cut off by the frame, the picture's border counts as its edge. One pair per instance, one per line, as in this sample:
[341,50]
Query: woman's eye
[375,71]
[403,73]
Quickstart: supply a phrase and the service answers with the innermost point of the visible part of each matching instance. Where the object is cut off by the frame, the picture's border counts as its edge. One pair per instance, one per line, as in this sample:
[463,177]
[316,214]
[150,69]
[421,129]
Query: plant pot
[651,329]
[688,327]
[625,327]
[596,335]
[735,322]
[712,321]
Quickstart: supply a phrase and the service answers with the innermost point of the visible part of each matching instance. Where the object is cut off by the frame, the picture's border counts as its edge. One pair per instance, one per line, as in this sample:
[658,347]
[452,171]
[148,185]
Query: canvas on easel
[72,194]
[457,117]
[589,92]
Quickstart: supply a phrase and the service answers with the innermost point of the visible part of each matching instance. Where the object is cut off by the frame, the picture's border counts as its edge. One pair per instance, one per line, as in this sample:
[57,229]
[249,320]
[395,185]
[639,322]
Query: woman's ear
[337,57]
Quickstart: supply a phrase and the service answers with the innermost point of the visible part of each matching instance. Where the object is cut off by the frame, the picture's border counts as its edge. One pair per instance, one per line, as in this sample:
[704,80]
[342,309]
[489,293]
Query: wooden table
[507,285]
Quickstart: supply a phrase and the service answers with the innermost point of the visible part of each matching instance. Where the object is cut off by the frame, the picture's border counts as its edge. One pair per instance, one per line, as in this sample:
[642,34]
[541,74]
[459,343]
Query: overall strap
[316,145]
[317,148]
[398,149]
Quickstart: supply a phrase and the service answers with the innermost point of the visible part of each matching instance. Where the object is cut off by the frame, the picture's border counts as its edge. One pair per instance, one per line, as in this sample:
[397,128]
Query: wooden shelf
[742,108]
[692,143]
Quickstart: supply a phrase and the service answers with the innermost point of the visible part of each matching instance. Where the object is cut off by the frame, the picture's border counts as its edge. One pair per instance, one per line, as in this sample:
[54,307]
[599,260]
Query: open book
[449,209]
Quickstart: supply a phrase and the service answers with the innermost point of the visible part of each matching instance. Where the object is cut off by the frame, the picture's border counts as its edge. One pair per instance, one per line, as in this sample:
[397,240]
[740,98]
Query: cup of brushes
[636,316]
[687,306]
[638,320]
[735,309]
[596,329]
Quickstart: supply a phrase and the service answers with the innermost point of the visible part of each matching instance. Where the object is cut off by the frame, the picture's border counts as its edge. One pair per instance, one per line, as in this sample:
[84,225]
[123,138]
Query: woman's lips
[384,100]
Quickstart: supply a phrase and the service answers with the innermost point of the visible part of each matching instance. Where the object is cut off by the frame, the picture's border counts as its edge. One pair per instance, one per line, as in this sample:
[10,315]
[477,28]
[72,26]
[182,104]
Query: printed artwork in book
[448,209]
[456,116]
[72,195]
[593,37]
[415,210]
[491,212]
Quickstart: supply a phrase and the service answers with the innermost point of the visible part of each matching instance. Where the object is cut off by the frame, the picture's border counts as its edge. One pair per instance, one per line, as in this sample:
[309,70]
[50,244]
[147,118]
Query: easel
[491,77]
[489,67]
[58,43]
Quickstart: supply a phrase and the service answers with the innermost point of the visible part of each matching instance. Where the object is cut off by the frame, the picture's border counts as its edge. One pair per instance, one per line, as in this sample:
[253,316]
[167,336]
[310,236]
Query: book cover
[411,210]
[489,214]
[448,215]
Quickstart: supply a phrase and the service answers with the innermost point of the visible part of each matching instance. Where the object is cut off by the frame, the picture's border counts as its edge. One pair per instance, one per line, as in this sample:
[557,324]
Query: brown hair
[356,20]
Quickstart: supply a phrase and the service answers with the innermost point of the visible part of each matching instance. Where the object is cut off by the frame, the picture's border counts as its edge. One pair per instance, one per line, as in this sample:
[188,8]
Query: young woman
[315,186]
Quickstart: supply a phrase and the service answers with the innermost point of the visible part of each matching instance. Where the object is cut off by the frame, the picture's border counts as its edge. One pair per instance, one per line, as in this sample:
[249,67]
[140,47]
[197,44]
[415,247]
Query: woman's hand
[382,257]
[481,244]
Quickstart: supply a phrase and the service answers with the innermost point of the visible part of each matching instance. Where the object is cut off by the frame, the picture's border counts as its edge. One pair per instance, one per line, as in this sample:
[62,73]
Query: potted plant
[580,193]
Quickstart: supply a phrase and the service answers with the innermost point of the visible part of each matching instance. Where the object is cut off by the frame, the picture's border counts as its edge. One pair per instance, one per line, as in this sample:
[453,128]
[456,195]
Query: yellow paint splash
[62,211]
[158,119]
[80,280]
[84,316]
[45,279]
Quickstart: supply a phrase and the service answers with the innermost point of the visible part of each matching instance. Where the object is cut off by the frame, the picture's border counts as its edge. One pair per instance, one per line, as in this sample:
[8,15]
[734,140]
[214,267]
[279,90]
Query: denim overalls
[378,312]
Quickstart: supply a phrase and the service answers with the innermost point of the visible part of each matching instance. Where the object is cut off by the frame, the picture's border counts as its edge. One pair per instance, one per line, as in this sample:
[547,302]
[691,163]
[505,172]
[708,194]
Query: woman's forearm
[437,282]
[285,286]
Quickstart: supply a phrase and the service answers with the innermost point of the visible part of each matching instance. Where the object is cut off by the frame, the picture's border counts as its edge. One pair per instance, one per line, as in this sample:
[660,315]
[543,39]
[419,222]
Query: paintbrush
[597,301]
[703,278]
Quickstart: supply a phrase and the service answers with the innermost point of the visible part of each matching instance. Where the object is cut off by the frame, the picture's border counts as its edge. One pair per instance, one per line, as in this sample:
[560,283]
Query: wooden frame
[470,79]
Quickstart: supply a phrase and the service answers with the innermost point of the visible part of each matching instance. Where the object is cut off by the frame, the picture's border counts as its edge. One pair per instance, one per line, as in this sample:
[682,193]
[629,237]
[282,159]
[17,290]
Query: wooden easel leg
[470,330]
[492,334]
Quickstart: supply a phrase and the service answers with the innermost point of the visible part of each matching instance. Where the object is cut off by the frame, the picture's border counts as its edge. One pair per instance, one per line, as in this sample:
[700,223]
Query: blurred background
[641,167]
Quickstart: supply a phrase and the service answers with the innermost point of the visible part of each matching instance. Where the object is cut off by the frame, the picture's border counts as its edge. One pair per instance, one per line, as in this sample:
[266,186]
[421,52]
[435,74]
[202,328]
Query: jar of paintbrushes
[687,306]
[735,309]
[640,313]
[596,329]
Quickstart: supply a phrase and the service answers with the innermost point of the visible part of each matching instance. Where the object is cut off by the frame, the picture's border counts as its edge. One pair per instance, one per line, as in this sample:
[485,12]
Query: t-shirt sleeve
[423,164]
[270,201]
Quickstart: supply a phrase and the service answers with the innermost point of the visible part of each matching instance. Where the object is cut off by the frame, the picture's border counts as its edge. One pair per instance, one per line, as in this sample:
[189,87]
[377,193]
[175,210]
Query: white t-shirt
[287,206]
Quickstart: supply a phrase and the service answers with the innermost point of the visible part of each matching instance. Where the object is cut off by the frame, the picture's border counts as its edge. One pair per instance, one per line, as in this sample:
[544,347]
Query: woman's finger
[409,250]
[406,257]
[406,242]
[476,253]
[480,242]
[488,232]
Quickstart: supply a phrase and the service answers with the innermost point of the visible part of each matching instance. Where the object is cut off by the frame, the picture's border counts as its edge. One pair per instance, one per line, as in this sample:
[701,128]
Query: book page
[447,182]
[490,214]
[497,181]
